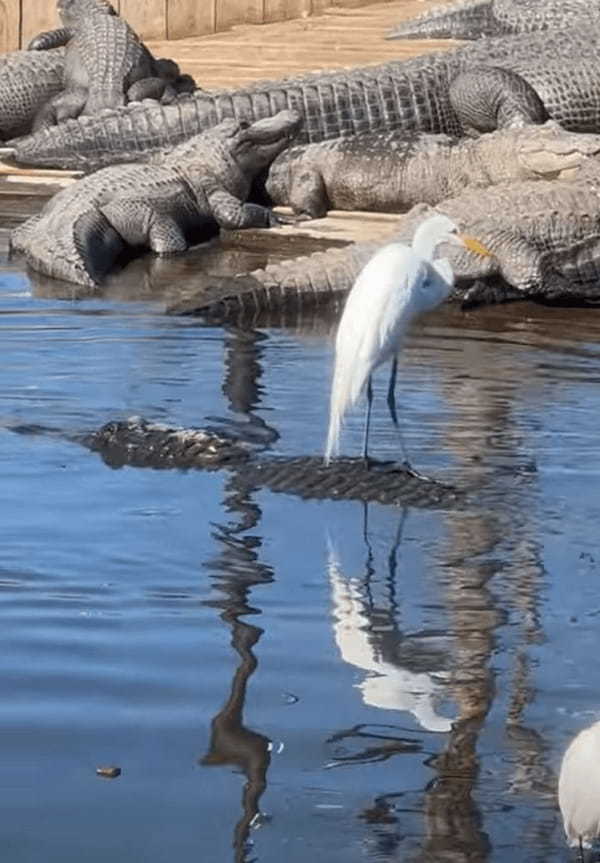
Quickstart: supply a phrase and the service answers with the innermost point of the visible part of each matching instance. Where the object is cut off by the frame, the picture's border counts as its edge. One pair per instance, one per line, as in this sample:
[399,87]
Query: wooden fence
[161,19]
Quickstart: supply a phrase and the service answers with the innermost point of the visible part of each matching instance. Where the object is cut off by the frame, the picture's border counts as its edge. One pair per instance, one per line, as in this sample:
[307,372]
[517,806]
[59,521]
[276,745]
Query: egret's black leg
[368,421]
[581,855]
[391,400]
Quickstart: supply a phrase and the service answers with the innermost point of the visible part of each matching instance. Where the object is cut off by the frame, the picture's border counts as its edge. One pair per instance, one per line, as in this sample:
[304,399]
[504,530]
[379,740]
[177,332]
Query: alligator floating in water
[85,227]
[28,80]
[392,172]
[545,237]
[141,444]
[106,63]
[471,19]
[561,66]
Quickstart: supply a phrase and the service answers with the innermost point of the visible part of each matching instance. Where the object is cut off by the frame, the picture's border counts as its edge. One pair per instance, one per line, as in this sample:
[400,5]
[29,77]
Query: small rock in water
[108,772]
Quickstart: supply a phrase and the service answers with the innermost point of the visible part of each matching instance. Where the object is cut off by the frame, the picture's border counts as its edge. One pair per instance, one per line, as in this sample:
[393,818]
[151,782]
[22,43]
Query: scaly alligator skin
[545,237]
[84,228]
[138,443]
[106,64]
[28,79]
[471,19]
[392,172]
[414,95]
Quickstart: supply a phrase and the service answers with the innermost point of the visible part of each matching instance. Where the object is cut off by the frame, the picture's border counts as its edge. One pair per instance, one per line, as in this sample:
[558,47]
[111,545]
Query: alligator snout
[284,124]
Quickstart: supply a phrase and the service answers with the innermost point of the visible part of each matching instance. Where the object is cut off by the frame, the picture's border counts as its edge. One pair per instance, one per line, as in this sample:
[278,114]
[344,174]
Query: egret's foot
[406,465]
[366,462]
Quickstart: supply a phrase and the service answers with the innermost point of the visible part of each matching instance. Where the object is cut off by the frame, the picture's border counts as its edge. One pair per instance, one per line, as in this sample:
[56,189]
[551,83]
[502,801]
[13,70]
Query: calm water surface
[280,679]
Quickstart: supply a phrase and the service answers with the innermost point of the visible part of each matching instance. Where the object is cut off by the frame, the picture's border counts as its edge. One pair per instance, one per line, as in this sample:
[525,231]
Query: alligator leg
[486,98]
[98,99]
[308,196]
[148,88]
[141,224]
[66,105]
[50,39]
[98,245]
[21,236]
[231,214]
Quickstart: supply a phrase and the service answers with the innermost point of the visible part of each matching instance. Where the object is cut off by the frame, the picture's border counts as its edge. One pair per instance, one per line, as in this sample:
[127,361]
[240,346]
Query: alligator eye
[244,124]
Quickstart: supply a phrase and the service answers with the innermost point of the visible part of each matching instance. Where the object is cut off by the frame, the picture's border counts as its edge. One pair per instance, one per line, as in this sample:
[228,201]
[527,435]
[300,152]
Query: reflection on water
[390,685]
[235,572]
[368,637]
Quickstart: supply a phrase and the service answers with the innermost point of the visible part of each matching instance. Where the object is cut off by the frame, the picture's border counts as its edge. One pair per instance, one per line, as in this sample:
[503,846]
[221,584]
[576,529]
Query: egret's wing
[381,304]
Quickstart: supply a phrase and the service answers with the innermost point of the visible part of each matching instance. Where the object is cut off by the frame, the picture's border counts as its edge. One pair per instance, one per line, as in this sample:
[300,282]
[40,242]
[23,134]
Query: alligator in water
[470,19]
[28,80]
[414,95]
[545,236]
[138,443]
[106,64]
[203,183]
[392,172]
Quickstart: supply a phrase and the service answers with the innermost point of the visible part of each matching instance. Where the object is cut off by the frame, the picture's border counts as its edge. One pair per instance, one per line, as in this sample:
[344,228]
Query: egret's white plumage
[579,787]
[397,285]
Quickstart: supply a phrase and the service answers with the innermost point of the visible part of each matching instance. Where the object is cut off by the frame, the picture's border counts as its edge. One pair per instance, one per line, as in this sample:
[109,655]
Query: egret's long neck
[425,241]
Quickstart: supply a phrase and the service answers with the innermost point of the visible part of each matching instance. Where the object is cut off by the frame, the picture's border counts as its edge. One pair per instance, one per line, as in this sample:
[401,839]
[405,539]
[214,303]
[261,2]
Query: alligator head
[550,152]
[71,11]
[253,146]
[236,148]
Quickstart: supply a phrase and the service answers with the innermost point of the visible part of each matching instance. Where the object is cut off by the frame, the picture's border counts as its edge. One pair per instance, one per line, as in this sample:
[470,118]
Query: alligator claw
[276,219]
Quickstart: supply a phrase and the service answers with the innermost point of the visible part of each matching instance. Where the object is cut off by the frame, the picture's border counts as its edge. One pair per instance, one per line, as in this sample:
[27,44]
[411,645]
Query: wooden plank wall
[162,19]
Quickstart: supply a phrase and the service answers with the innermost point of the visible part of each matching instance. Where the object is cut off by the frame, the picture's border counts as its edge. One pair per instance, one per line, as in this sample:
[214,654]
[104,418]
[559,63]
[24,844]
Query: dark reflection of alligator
[234,572]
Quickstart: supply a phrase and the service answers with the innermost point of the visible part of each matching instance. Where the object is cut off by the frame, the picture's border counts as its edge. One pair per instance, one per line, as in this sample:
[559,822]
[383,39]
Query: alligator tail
[468,19]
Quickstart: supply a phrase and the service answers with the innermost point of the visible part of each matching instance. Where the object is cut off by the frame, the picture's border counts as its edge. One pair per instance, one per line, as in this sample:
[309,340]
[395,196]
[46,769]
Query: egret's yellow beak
[475,246]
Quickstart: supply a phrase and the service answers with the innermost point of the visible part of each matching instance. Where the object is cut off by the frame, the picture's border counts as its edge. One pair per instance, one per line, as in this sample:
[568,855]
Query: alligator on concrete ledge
[106,64]
[85,227]
[28,80]
[138,443]
[545,237]
[392,172]
[561,66]
[470,19]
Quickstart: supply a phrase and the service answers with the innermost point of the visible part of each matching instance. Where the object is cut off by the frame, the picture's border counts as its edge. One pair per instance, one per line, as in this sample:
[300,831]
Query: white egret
[579,788]
[397,284]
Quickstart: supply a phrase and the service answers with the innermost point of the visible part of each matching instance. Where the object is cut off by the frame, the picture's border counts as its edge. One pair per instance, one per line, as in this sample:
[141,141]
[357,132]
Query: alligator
[139,443]
[106,64]
[392,172]
[545,236]
[471,19]
[413,95]
[28,80]
[85,227]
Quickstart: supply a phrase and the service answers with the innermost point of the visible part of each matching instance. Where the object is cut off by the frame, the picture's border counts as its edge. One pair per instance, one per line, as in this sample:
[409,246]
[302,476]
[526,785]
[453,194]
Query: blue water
[282,679]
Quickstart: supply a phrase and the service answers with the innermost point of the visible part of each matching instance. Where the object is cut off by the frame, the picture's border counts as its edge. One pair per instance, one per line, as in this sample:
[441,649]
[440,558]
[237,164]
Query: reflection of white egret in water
[397,285]
[387,686]
[579,788]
